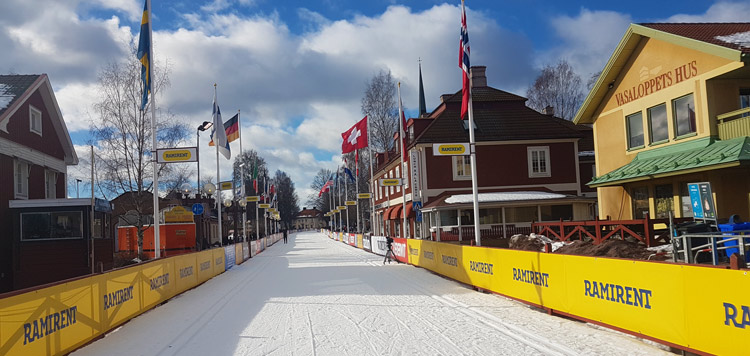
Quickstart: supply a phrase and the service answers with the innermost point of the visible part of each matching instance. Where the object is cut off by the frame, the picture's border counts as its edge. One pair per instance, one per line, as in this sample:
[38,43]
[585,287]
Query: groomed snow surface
[316,296]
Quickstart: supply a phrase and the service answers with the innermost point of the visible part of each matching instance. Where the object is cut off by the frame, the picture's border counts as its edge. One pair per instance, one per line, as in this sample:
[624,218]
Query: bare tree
[381,107]
[592,80]
[322,201]
[122,133]
[559,87]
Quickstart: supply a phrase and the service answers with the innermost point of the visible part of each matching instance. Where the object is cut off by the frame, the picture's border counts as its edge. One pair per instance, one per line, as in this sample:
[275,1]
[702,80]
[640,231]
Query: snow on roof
[5,95]
[502,197]
[739,38]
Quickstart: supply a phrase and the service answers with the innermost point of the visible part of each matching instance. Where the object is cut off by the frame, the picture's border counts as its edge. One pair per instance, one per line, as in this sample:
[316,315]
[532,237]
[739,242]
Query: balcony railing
[734,124]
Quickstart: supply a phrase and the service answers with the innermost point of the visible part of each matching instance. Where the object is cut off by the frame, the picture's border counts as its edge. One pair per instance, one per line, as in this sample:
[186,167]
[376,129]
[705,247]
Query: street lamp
[202,127]
[209,188]
[185,189]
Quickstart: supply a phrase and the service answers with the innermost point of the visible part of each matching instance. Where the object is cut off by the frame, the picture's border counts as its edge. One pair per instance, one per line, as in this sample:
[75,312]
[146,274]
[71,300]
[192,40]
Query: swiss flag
[356,137]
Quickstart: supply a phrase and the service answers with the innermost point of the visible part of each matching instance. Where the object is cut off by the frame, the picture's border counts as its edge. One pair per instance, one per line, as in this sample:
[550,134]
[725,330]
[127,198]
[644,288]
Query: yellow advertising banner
[178,214]
[450,149]
[186,272]
[225,185]
[364,195]
[351,202]
[253,198]
[696,307]
[264,206]
[205,265]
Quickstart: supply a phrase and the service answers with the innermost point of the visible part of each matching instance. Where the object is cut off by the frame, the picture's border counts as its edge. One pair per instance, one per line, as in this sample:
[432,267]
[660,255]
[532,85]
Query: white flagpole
[356,183]
[473,162]
[346,197]
[157,241]
[218,173]
[242,176]
[372,180]
[401,160]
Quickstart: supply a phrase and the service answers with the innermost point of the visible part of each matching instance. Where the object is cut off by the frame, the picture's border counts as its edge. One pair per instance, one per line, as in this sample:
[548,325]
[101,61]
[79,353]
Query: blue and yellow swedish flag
[144,53]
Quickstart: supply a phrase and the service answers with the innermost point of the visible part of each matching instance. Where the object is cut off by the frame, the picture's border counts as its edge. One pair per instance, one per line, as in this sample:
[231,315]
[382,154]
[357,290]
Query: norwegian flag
[463,62]
[326,187]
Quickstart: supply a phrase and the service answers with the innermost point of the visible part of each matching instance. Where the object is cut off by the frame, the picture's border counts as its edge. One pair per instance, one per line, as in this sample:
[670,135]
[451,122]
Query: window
[51,225]
[635,130]
[35,120]
[449,218]
[522,214]
[684,115]
[21,179]
[538,161]
[461,168]
[491,216]
[663,201]
[745,100]
[50,184]
[639,198]
[556,212]
[657,124]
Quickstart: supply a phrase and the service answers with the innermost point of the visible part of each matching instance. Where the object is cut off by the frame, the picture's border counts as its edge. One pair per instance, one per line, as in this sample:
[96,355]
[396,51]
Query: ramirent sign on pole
[177,155]
[450,149]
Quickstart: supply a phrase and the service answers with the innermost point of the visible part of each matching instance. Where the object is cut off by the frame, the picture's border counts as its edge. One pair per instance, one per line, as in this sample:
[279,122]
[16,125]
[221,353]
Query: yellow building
[672,107]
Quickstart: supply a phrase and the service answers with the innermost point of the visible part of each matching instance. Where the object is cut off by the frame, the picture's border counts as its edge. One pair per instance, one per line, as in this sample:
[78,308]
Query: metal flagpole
[93,214]
[473,162]
[157,241]
[346,197]
[401,160]
[356,183]
[372,180]
[218,175]
[242,175]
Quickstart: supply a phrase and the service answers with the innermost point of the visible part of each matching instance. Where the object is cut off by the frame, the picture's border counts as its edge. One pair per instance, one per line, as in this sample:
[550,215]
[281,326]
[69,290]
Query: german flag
[232,128]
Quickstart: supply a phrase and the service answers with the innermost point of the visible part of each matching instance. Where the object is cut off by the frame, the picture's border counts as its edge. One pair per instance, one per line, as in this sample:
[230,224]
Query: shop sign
[254,198]
[390,182]
[364,195]
[450,149]
[177,155]
[351,202]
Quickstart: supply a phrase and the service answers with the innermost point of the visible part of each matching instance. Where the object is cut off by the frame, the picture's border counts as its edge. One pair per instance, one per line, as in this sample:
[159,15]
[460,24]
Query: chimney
[478,77]
[549,111]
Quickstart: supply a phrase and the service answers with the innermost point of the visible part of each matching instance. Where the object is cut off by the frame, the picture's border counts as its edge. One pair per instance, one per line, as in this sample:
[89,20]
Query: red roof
[730,35]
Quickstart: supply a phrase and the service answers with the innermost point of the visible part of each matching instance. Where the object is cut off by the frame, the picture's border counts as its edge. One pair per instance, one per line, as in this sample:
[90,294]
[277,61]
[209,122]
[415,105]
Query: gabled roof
[719,39]
[308,213]
[692,156]
[514,121]
[16,89]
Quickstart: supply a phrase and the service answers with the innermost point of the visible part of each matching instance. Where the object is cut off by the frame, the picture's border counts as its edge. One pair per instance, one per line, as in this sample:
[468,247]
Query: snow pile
[5,96]
[661,249]
[740,38]
[502,197]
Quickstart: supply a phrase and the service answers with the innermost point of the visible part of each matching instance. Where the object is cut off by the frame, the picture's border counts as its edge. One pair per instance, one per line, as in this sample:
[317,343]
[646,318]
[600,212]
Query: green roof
[682,158]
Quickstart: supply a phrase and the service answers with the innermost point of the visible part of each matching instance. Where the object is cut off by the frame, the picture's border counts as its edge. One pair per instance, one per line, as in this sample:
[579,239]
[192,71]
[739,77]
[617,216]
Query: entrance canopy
[682,158]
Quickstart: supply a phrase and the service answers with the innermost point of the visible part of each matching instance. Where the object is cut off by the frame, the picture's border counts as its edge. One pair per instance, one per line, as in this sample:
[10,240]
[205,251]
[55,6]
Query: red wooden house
[35,150]
[529,168]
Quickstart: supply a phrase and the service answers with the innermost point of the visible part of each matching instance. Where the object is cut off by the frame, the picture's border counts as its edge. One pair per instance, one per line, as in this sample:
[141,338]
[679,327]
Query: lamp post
[243,200]
[210,189]
[227,204]
[203,127]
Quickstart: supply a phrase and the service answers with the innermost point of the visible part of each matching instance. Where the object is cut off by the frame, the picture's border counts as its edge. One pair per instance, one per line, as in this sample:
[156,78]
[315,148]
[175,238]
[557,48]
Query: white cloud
[722,11]
[587,39]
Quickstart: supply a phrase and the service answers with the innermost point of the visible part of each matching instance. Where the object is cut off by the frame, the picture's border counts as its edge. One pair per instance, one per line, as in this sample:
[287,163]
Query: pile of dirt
[609,248]
[527,243]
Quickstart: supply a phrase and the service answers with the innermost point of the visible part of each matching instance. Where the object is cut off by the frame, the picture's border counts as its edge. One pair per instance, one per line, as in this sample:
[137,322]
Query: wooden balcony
[734,124]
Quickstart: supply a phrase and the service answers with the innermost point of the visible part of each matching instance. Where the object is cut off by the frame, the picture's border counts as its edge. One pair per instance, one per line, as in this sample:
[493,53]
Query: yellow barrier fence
[58,319]
[694,308]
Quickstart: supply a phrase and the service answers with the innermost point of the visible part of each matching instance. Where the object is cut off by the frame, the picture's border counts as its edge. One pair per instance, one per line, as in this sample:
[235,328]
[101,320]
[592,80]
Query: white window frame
[50,184]
[35,116]
[21,171]
[466,162]
[545,151]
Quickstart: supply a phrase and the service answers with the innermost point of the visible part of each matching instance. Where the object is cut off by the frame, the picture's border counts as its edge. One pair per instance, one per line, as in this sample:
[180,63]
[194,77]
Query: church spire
[422,105]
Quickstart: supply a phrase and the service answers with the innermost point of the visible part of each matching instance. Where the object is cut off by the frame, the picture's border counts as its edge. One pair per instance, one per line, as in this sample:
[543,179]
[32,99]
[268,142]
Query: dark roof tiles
[730,35]
[12,88]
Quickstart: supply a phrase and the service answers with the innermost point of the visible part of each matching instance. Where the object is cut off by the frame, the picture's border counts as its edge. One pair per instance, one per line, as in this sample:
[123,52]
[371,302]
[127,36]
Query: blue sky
[297,69]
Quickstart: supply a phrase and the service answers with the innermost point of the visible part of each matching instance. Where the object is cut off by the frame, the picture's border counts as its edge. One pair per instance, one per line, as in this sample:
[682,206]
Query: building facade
[35,150]
[528,170]
[308,219]
[672,107]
